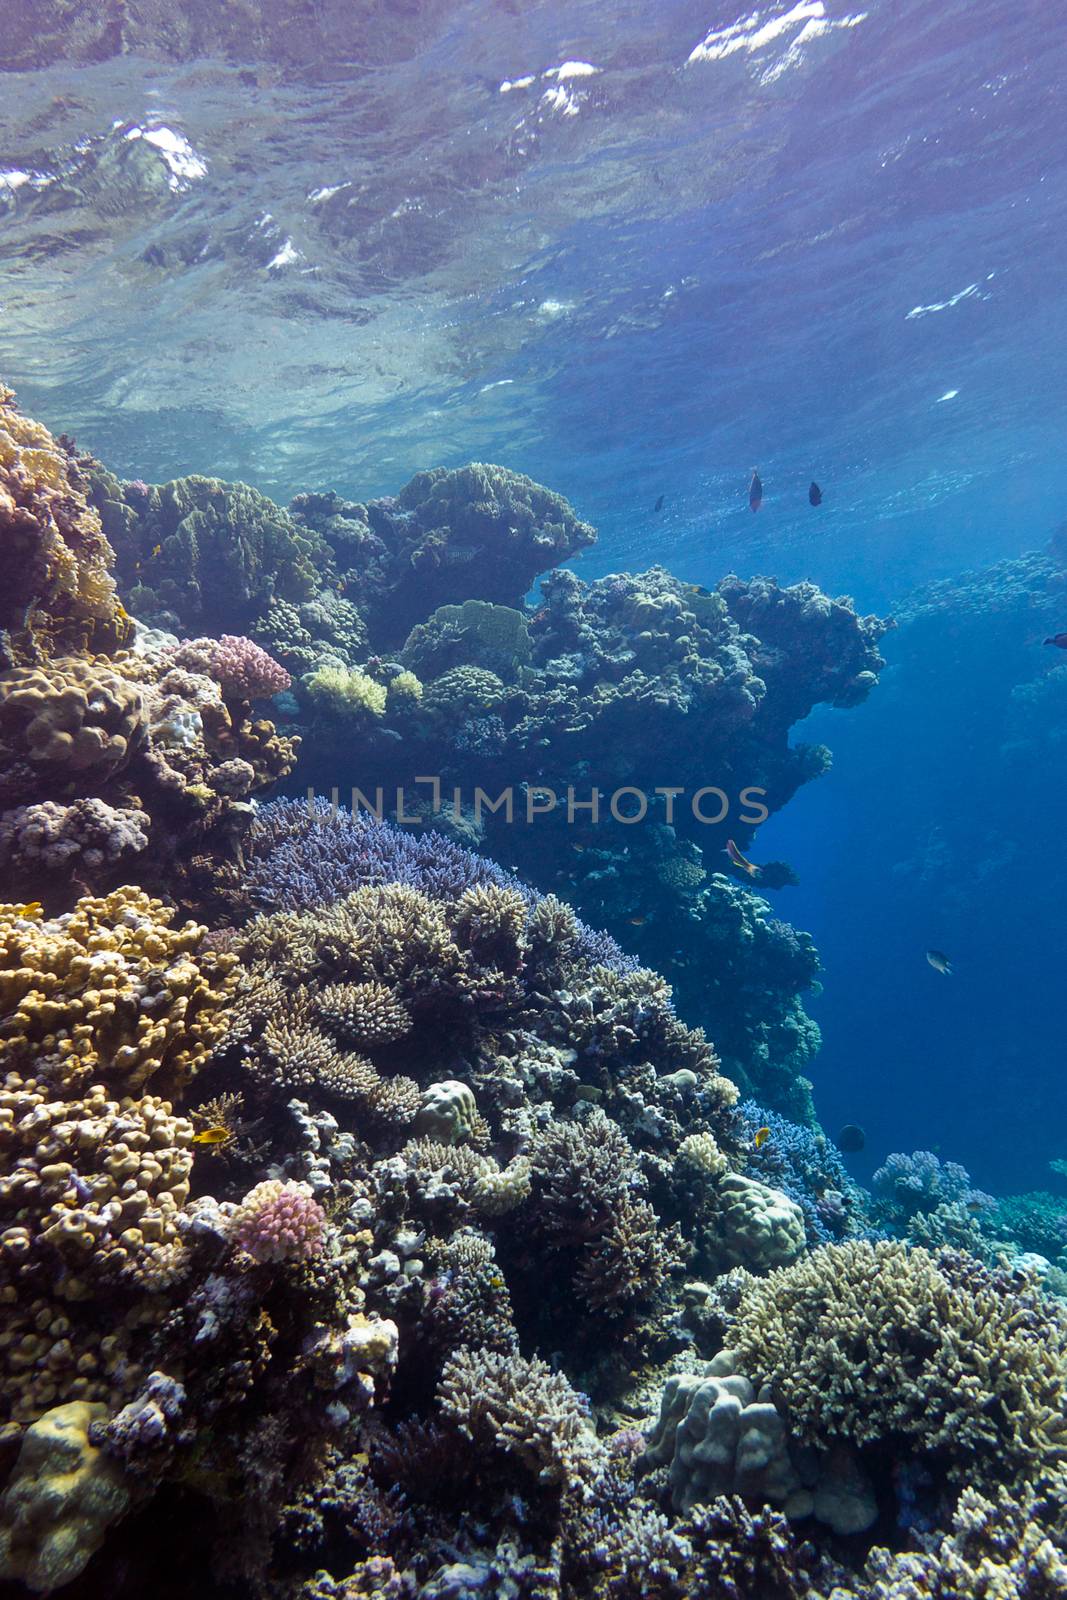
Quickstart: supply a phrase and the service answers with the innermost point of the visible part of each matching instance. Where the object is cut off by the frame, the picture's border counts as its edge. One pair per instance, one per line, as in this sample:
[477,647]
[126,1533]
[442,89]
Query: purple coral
[304,855]
[245,670]
[279,1222]
[88,832]
[805,1166]
[907,1185]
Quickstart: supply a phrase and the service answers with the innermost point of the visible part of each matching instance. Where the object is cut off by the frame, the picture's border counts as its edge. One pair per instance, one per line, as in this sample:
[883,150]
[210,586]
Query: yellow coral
[63,1496]
[406,687]
[347,690]
[111,993]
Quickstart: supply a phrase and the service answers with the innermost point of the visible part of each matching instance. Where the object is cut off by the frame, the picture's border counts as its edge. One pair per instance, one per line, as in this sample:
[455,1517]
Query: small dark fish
[851,1139]
[637,922]
[940,962]
[697,588]
[1059,640]
[659,504]
[755,492]
[814,494]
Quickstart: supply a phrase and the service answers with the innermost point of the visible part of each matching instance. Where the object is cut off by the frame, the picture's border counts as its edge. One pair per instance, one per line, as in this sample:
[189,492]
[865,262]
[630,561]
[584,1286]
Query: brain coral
[109,993]
[58,596]
[870,1342]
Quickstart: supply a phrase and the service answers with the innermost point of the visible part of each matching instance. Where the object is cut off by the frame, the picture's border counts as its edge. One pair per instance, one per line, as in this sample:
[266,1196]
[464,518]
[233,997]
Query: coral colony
[375,1220]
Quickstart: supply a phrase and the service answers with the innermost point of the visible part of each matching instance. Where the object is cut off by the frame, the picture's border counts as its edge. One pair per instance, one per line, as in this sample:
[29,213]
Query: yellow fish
[31,909]
[213,1136]
[156,548]
[761,1137]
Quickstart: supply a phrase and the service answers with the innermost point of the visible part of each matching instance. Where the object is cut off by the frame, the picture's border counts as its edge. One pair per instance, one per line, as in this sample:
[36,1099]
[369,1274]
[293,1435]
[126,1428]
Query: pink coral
[244,669]
[279,1222]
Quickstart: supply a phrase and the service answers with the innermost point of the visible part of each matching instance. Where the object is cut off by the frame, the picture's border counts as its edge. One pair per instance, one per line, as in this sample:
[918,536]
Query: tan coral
[867,1342]
[91,1194]
[58,595]
[364,1013]
[69,721]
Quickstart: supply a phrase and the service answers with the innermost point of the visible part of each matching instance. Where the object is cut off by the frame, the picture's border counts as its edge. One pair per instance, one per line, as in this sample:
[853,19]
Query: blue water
[823,239]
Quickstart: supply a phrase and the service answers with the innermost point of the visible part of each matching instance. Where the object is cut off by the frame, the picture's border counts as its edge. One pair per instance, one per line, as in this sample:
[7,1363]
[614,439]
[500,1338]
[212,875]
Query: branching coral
[868,1342]
[279,1222]
[524,1410]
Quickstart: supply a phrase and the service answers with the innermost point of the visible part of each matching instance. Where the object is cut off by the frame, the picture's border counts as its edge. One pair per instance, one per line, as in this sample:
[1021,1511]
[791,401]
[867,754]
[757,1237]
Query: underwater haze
[657,399]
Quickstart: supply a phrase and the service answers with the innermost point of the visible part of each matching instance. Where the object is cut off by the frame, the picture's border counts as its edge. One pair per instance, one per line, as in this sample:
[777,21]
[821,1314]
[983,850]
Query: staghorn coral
[524,1410]
[586,1202]
[111,992]
[59,598]
[467,1297]
[866,1342]
[1000,1547]
[363,1013]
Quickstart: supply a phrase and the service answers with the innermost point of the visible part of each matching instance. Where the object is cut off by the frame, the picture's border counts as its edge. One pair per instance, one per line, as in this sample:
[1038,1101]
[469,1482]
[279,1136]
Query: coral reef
[200,555]
[361,1227]
[110,993]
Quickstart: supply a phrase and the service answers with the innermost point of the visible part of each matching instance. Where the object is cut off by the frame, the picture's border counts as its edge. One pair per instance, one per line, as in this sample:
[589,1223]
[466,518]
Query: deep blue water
[824,239]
